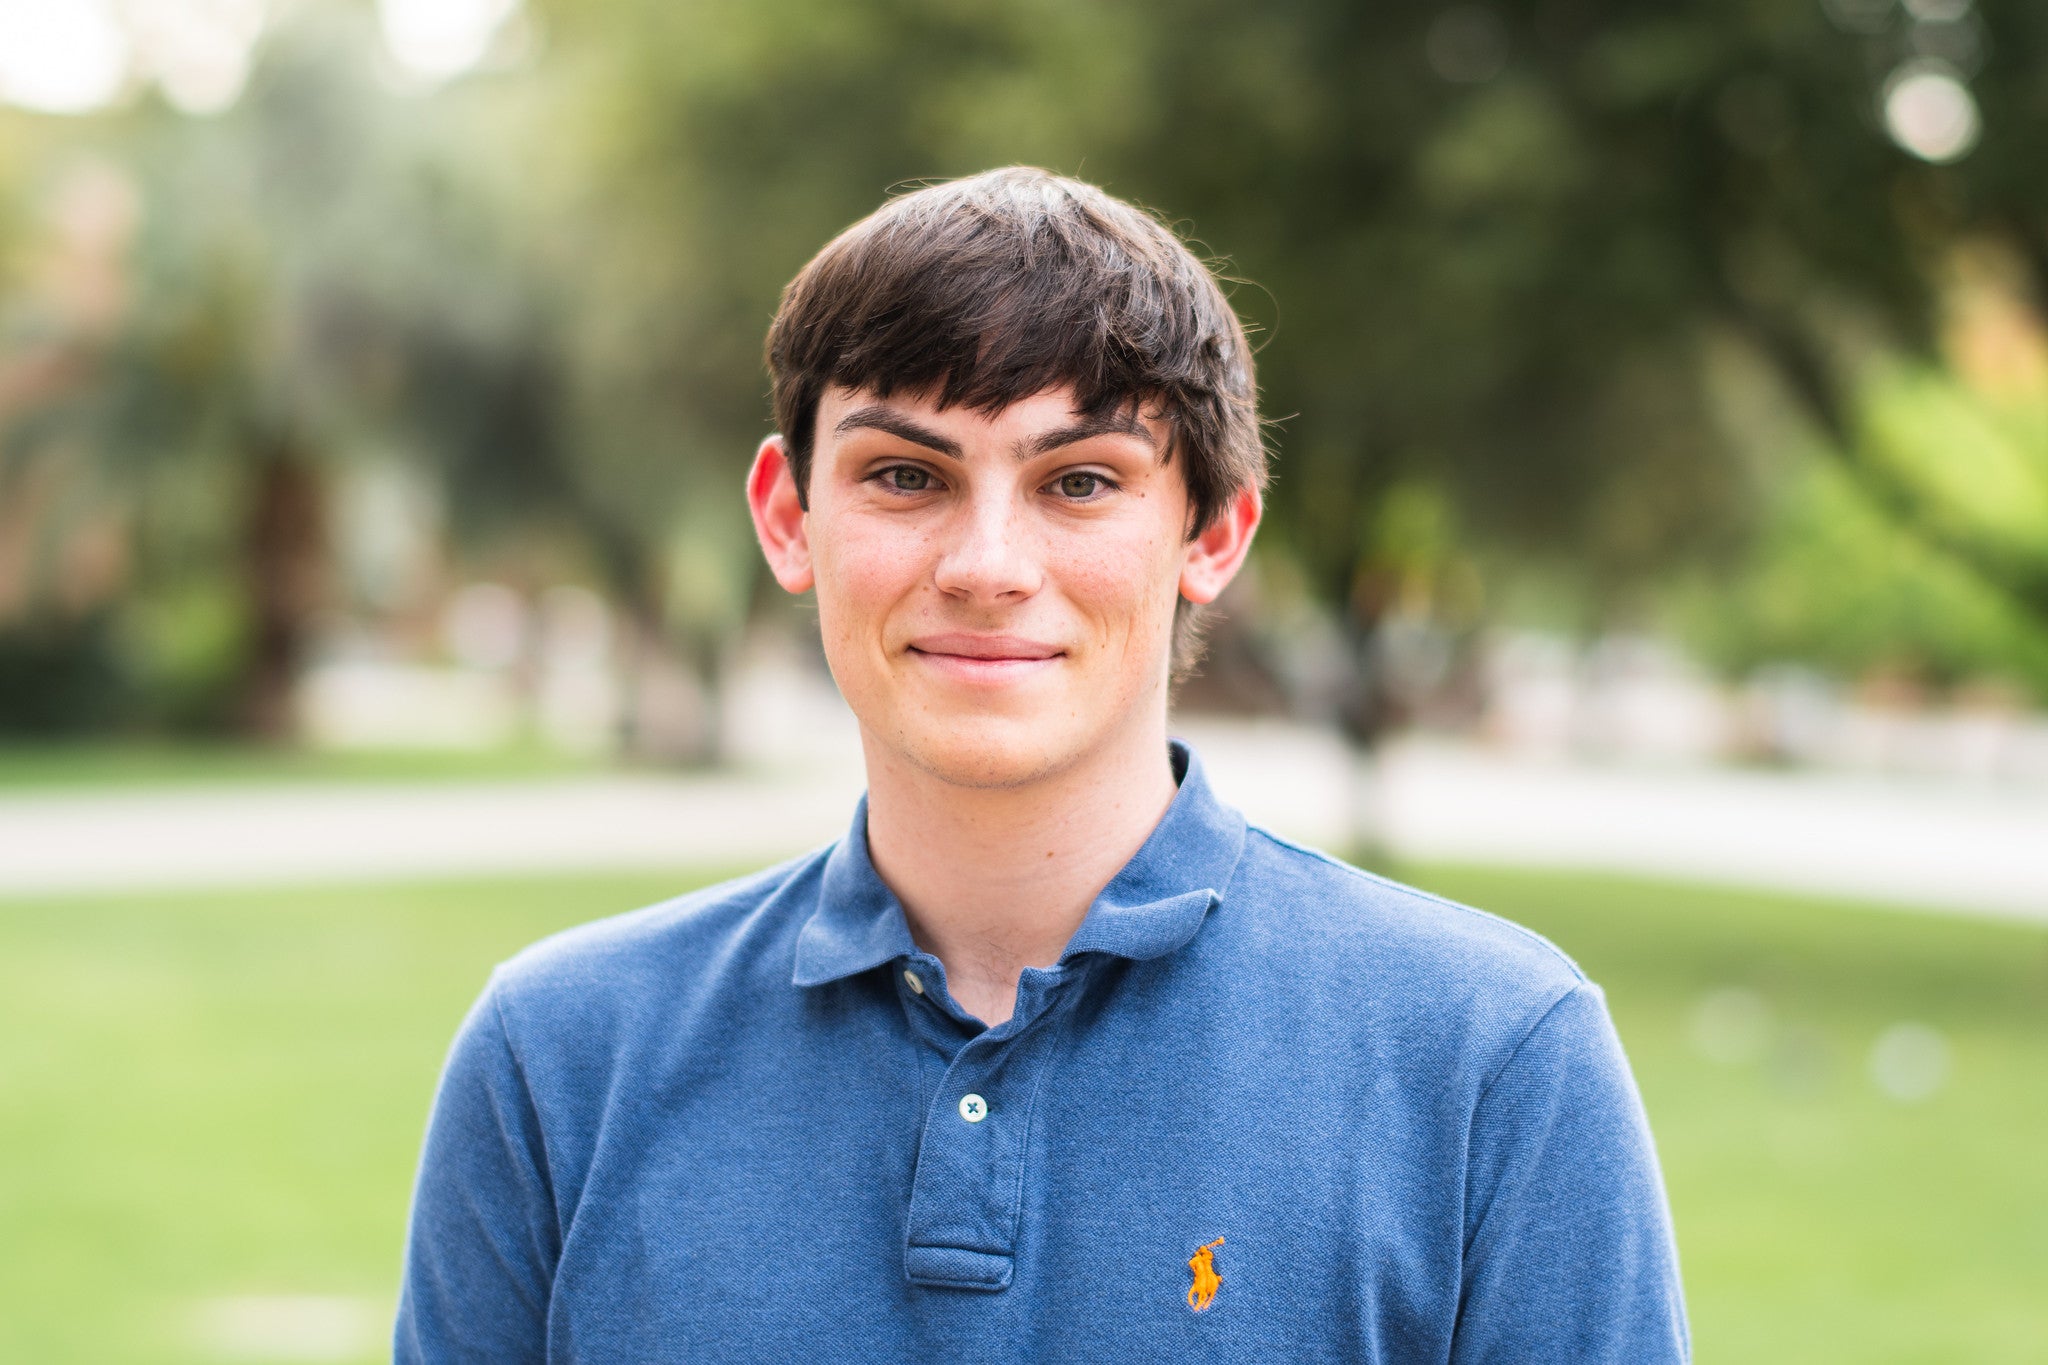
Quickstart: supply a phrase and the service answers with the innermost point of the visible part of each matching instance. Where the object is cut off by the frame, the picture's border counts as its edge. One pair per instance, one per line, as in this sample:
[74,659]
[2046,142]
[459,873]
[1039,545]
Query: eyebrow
[881,417]
[1122,422]
[878,417]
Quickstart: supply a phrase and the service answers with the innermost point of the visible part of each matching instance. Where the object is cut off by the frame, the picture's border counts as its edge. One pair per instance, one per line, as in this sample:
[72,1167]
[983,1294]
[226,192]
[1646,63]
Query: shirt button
[913,980]
[973,1108]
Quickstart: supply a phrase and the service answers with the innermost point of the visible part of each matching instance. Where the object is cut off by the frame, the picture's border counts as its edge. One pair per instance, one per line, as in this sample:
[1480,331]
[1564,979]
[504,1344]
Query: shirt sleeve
[1568,1247]
[483,1239]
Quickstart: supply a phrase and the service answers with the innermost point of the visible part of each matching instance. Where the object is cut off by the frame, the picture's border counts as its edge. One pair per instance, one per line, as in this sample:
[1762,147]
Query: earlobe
[779,520]
[1215,555]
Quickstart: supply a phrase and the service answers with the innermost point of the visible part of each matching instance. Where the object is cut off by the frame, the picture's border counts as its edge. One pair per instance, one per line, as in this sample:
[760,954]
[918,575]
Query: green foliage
[1832,579]
[59,676]
[1491,248]
[181,645]
[1834,583]
[1979,465]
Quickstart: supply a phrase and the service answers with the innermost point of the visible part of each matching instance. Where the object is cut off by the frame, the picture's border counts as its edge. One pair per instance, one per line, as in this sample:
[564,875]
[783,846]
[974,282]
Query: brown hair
[988,290]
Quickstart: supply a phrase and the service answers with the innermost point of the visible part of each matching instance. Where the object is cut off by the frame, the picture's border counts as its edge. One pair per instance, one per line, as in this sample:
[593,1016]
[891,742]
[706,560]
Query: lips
[992,649]
[985,661]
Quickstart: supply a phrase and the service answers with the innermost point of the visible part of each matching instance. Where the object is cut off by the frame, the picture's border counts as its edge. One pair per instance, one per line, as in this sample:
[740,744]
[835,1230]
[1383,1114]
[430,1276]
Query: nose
[987,555]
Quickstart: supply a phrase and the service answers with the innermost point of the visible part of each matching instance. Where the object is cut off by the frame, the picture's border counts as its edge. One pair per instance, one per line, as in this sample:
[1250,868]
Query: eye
[906,478]
[1079,486]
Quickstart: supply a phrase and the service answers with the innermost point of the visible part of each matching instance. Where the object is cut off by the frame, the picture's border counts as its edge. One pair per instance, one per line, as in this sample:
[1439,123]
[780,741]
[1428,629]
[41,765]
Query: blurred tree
[1833,579]
[319,273]
[1495,243]
[1502,253]
[59,543]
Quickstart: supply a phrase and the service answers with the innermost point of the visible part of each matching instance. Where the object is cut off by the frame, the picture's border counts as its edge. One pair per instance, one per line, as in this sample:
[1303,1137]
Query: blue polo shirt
[1265,1107]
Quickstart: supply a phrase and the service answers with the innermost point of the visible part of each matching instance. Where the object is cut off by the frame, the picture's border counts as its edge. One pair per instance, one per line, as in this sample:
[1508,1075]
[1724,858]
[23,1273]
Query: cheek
[1124,582]
[863,566]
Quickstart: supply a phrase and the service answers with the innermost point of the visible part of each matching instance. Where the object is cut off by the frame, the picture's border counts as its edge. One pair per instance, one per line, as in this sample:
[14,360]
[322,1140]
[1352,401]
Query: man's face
[996,593]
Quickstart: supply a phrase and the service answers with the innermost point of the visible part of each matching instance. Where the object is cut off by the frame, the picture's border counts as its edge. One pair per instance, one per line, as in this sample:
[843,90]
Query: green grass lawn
[221,1095]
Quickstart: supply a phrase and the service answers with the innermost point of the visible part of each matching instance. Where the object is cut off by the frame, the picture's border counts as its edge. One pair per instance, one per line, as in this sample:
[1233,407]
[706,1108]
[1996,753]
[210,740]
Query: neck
[994,880]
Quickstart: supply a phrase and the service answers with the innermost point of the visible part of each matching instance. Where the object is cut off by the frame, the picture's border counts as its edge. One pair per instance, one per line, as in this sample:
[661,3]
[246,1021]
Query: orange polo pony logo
[1207,1281]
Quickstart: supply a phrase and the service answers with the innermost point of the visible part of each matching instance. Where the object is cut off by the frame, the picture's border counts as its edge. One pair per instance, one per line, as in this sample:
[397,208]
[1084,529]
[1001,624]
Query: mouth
[985,658]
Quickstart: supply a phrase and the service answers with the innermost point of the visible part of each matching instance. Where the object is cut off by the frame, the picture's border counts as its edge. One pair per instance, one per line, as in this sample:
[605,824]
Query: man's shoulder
[1314,892]
[1401,948]
[661,946]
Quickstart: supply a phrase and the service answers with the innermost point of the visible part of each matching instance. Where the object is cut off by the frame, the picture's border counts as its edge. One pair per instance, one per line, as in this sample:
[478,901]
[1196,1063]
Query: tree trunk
[284,561]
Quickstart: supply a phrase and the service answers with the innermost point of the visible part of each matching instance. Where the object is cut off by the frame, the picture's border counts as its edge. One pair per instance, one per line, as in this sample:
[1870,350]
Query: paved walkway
[1940,845]
[1956,847]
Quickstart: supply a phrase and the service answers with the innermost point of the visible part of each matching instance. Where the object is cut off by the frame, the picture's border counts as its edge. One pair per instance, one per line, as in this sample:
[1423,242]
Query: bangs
[1015,304]
[985,291]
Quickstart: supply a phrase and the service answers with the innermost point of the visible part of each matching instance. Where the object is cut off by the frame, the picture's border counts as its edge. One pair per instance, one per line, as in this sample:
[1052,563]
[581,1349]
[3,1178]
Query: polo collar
[1154,904]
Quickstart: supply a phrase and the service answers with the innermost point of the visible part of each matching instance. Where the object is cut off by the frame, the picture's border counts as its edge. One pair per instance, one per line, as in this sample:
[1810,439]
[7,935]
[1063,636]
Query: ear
[1214,556]
[779,520]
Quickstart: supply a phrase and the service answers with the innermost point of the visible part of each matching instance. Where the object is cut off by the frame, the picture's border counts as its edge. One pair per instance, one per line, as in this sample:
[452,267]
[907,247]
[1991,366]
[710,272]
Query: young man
[1051,1058]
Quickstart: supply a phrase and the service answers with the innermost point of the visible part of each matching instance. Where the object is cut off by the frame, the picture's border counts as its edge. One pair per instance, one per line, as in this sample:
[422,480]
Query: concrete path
[1930,843]
[1941,845]
[1957,847]
[253,836]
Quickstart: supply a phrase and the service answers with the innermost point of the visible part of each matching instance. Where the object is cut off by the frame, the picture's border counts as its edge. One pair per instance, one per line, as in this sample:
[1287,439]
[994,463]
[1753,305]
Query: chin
[986,752]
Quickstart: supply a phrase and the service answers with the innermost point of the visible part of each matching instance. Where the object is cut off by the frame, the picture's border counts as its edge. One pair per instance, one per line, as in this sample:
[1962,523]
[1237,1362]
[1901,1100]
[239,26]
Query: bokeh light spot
[60,58]
[1909,1062]
[1938,11]
[438,39]
[1930,112]
[198,50]
[1731,1026]
[281,1327]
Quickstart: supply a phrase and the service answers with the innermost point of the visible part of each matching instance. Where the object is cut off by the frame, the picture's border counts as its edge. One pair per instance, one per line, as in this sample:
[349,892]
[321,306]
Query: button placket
[935,1035]
[967,1193]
